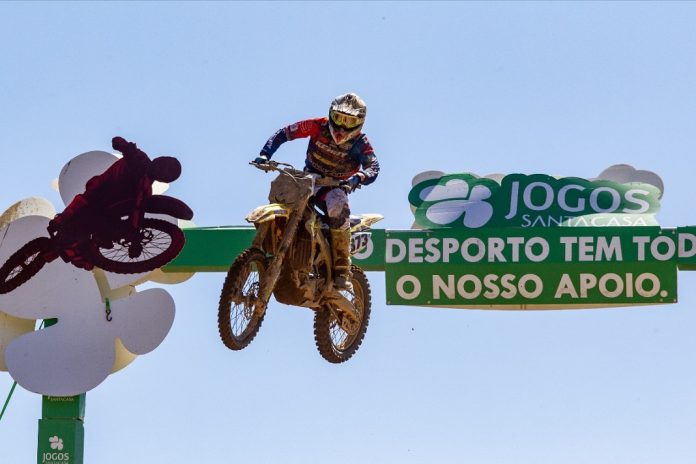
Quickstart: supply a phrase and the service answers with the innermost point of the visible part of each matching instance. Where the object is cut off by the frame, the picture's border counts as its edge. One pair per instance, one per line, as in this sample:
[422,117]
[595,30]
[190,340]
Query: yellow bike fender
[267,213]
[366,221]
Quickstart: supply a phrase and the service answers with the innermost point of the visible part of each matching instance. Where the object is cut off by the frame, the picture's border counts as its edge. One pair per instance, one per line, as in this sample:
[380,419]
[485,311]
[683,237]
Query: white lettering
[568,243]
[641,241]
[615,200]
[684,240]
[390,257]
[655,248]
[640,285]
[562,200]
[609,250]
[451,245]
[618,285]
[415,250]
[548,198]
[496,245]
[475,258]
[514,198]
[586,249]
[401,284]
[566,287]
[538,286]
[433,255]
[461,286]
[587,282]
[439,285]
[529,252]
[631,198]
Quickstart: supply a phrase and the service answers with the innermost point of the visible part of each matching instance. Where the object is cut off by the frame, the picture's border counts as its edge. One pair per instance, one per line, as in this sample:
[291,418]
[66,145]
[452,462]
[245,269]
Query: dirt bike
[291,259]
[113,241]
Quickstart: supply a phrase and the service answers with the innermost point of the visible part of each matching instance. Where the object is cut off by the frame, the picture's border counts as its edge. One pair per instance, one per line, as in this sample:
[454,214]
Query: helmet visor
[346,121]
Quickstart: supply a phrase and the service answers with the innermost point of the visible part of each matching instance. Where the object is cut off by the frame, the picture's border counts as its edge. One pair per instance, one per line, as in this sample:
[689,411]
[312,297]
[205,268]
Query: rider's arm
[369,166]
[144,191]
[302,129]
[76,205]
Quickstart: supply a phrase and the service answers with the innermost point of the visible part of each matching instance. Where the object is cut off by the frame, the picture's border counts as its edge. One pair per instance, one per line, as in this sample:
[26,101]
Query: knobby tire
[237,324]
[165,244]
[24,264]
[334,344]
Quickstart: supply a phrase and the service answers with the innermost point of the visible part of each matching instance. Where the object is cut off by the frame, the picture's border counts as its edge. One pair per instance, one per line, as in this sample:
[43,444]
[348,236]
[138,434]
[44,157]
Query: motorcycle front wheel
[239,317]
[335,344]
[23,264]
[155,244]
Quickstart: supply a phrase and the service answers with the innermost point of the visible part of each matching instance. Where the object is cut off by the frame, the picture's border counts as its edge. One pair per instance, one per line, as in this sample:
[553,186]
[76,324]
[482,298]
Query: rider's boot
[340,247]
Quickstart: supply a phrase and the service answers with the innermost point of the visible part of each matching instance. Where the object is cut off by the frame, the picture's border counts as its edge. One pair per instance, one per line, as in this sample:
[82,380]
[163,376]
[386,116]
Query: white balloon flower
[102,321]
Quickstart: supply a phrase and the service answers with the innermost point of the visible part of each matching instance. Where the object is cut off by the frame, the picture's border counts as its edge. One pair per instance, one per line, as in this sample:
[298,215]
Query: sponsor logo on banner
[57,456]
[518,200]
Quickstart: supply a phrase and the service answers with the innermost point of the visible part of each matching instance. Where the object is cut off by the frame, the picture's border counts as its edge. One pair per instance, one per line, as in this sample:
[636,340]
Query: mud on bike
[291,259]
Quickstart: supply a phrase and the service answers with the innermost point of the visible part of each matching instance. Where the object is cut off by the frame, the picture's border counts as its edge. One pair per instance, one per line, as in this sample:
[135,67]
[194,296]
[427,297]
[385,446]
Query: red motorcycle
[118,239]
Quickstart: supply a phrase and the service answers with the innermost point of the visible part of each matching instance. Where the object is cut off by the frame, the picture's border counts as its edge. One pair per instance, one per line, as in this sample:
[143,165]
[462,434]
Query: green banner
[213,249]
[536,268]
[518,200]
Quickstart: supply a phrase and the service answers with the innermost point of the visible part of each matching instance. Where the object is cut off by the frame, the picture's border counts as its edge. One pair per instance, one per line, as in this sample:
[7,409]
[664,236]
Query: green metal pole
[61,427]
[7,401]
[61,430]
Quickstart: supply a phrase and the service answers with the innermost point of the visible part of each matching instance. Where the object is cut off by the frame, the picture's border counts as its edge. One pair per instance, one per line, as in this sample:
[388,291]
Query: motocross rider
[337,148]
[127,182]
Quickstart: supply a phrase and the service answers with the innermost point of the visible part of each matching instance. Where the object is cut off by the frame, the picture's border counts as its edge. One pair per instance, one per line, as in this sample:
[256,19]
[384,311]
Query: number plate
[358,241]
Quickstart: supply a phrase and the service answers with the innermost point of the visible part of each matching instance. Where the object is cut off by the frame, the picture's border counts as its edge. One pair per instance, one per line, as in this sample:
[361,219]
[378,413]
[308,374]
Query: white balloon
[79,170]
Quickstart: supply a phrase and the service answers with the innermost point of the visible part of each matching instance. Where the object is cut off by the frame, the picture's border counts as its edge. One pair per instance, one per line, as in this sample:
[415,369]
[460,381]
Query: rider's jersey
[324,156]
[126,181]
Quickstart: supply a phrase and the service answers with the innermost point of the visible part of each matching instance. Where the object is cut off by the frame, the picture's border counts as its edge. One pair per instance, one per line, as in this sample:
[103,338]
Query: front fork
[273,272]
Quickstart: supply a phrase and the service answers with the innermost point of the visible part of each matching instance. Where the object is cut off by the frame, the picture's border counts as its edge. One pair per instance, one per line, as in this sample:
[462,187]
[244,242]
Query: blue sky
[557,88]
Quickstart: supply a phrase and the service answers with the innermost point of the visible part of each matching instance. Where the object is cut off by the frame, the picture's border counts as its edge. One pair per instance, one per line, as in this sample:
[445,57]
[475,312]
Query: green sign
[539,200]
[519,268]
[61,430]
[213,249]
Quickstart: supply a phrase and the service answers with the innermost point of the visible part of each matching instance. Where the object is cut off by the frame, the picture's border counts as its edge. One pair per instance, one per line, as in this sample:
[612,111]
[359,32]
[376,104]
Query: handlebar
[289,169]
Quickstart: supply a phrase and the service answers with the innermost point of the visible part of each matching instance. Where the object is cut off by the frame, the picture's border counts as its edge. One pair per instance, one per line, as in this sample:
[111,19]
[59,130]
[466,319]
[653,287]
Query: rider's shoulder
[307,126]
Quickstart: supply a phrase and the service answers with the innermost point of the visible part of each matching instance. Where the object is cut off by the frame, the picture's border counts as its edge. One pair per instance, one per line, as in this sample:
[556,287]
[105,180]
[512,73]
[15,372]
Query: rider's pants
[337,208]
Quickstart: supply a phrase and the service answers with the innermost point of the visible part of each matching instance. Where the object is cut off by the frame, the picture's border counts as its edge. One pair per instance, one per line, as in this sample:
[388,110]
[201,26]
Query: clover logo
[456,200]
[56,443]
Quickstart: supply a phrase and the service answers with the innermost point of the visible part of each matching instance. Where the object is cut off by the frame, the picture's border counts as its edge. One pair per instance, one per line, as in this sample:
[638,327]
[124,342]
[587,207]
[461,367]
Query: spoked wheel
[154,245]
[23,264]
[240,312]
[334,343]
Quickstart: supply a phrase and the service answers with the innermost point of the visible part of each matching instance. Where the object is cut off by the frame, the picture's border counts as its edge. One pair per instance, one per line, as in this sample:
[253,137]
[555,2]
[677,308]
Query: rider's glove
[261,159]
[54,225]
[352,183]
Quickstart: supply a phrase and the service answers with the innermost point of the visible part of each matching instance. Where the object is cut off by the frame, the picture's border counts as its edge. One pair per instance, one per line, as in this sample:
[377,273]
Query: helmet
[346,117]
[165,169]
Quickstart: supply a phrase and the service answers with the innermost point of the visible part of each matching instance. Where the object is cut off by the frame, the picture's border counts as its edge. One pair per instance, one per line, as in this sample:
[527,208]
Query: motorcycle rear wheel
[24,264]
[335,344]
[238,317]
[160,242]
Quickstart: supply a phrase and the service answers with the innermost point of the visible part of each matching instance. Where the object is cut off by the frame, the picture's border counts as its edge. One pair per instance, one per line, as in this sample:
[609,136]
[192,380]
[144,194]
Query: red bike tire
[30,261]
[126,265]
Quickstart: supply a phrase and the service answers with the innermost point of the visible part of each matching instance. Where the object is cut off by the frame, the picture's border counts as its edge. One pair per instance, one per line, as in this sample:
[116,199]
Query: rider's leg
[339,223]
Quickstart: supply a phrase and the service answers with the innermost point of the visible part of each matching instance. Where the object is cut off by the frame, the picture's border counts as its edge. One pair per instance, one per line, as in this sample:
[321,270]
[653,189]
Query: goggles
[345,121]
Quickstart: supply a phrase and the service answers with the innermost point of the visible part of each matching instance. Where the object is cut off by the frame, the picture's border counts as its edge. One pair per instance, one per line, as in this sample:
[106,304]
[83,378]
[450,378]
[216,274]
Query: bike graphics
[290,258]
